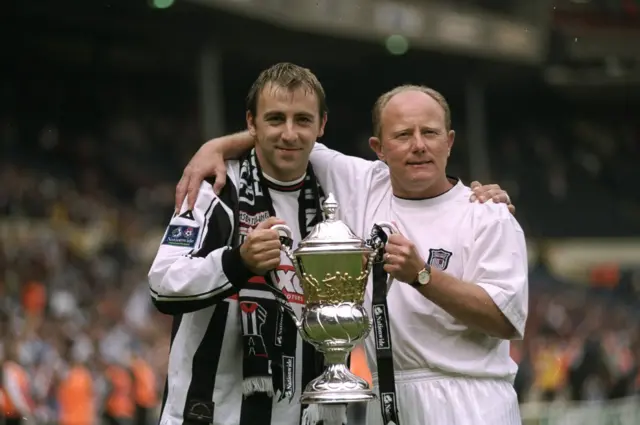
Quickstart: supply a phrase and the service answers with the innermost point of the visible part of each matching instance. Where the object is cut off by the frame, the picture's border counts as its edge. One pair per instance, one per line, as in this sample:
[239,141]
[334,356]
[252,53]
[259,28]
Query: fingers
[270,264]
[398,250]
[181,192]
[263,240]
[486,192]
[501,198]
[269,223]
[512,209]
[391,258]
[193,188]
[221,179]
[391,268]
[475,184]
[262,263]
[396,239]
[268,256]
[398,244]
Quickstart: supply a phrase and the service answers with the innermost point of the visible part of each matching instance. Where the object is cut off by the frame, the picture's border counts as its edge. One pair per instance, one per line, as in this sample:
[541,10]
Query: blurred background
[103,102]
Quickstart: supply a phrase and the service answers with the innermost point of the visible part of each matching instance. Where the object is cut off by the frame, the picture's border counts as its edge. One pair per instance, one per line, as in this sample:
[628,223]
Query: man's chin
[421,176]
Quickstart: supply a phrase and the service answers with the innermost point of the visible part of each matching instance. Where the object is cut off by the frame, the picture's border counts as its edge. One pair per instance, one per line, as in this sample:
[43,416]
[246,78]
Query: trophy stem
[337,384]
[335,357]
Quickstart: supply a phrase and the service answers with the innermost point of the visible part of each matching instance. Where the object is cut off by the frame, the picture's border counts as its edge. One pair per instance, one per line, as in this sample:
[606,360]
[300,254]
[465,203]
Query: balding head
[385,98]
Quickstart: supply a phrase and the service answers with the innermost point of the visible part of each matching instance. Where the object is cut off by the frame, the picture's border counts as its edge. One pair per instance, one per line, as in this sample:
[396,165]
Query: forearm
[186,284]
[232,146]
[468,303]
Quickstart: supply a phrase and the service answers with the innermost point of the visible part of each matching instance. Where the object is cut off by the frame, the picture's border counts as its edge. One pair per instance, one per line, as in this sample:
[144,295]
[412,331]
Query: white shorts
[427,399]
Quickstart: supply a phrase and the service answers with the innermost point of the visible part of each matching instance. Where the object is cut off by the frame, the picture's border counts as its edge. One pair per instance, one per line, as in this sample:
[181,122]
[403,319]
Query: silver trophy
[333,265]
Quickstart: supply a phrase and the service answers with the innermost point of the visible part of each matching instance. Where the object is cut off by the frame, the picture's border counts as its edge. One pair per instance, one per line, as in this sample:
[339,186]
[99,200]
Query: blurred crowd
[83,202]
[80,211]
[80,339]
[580,344]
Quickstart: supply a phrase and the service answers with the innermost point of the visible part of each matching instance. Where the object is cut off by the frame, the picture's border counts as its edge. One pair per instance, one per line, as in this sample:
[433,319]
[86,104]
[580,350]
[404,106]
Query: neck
[435,189]
[283,186]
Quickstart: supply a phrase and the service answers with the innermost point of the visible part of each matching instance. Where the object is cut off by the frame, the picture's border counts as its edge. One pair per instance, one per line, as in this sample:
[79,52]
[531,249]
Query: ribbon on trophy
[382,331]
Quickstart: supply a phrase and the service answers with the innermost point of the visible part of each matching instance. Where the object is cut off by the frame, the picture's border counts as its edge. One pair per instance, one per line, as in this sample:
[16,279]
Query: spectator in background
[15,393]
[144,388]
[76,395]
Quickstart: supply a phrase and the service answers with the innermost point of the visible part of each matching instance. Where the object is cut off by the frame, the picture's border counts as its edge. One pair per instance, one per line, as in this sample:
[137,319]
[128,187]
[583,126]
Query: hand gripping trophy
[333,265]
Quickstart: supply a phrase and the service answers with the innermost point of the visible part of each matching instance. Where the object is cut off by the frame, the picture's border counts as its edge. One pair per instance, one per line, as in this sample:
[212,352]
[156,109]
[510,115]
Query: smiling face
[414,140]
[285,115]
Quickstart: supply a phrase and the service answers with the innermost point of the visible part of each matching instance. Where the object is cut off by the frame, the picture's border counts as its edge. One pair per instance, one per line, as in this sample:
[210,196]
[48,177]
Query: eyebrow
[410,129]
[297,114]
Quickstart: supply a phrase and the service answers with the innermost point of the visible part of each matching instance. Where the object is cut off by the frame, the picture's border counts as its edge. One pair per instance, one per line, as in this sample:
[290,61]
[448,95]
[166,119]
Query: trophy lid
[331,233]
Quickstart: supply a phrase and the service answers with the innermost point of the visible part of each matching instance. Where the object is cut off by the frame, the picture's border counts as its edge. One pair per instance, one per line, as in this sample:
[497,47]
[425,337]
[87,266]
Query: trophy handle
[391,229]
[286,242]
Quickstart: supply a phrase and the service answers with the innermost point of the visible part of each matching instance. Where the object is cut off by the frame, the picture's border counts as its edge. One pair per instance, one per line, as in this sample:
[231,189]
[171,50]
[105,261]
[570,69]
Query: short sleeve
[498,262]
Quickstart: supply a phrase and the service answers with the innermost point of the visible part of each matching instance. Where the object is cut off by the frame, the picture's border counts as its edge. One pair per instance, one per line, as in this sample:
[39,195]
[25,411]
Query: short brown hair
[289,76]
[386,97]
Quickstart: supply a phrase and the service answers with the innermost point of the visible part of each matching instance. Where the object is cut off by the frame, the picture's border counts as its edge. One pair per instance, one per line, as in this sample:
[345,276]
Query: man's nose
[419,142]
[289,134]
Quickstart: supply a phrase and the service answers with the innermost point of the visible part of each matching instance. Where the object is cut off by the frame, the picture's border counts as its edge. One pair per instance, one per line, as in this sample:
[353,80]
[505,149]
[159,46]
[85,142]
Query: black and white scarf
[269,333]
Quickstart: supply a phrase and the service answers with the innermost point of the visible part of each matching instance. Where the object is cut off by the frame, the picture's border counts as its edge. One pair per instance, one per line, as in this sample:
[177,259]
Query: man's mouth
[418,163]
[288,149]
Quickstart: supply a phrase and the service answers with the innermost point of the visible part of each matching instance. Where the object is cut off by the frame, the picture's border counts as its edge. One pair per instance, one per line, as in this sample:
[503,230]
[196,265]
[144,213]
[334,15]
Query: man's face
[286,125]
[414,143]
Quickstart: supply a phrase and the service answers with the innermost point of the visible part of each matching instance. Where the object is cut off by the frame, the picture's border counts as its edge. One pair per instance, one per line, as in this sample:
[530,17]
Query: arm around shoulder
[344,175]
[195,266]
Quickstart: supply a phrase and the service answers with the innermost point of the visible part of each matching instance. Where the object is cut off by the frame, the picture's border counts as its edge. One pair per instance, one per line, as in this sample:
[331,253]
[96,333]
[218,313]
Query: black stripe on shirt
[205,363]
[256,409]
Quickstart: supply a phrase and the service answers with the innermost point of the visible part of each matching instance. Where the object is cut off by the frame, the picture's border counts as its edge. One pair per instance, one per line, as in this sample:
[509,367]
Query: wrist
[235,267]
[422,277]
[218,147]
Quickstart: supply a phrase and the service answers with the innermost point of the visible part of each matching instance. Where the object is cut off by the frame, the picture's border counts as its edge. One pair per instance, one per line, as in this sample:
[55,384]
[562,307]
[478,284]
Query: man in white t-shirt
[460,269]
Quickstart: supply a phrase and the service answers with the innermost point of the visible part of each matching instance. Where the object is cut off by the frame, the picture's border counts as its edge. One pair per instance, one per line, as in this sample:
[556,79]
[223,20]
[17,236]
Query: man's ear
[251,124]
[451,136]
[376,145]
[323,122]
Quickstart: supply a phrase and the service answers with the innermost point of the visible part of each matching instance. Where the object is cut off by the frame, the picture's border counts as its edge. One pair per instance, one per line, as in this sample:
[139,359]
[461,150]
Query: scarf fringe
[257,385]
[330,414]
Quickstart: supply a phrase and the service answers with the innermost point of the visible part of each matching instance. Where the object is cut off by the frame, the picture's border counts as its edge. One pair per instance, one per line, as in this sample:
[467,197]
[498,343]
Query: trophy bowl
[333,265]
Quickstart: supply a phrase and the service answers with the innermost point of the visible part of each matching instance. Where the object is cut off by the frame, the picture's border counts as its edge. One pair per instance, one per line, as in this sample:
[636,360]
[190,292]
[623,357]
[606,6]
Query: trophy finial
[330,207]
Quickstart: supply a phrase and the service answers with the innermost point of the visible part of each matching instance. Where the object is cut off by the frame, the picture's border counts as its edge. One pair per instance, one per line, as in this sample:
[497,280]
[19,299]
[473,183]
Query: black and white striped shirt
[195,277]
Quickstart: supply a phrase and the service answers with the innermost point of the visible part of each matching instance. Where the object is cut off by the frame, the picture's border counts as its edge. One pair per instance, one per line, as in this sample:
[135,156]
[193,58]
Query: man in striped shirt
[236,357]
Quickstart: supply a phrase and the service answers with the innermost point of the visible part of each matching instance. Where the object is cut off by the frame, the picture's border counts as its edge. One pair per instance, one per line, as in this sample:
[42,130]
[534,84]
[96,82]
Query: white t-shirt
[477,243]
[285,205]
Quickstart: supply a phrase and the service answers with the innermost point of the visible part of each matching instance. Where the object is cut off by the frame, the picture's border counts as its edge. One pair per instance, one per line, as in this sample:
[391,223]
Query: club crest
[439,258]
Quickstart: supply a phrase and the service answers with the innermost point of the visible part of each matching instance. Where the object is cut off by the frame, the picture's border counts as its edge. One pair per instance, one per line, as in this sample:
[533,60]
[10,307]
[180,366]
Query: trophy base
[337,385]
